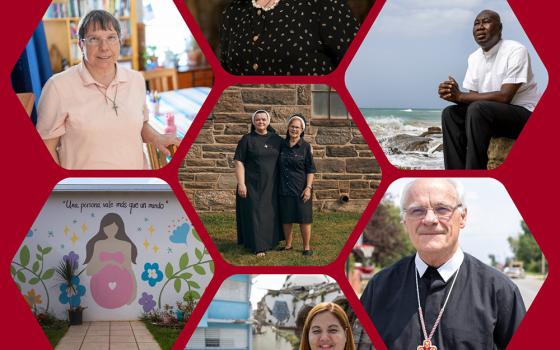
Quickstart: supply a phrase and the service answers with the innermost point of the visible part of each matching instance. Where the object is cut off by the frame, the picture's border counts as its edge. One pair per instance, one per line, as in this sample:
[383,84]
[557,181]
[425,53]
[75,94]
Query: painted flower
[72,258]
[152,274]
[147,301]
[72,296]
[32,299]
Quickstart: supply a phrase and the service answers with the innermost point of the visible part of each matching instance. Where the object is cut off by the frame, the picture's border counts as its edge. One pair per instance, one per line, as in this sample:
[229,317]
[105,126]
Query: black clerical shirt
[483,311]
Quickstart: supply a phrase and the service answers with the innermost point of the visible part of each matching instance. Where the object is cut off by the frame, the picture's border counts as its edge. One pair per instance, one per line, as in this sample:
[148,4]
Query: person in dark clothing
[256,161]
[296,182]
[441,297]
[284,37]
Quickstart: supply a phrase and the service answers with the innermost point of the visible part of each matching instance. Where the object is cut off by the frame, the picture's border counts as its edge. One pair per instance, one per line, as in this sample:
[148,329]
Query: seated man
[502,96]
[441,297]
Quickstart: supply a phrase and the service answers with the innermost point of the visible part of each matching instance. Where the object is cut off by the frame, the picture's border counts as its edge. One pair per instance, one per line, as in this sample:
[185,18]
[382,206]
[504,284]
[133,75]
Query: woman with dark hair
[109,258]
[93,115]
[327,326]
[256,160]
[296,182]
[284,37]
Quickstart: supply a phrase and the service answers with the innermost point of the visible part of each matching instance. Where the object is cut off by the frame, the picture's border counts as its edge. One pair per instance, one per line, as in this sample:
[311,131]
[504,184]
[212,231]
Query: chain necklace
[427,343]
[107,98]
[266,6]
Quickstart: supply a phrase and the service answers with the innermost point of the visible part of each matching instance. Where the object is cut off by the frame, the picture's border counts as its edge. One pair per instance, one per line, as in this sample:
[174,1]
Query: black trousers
[467,130]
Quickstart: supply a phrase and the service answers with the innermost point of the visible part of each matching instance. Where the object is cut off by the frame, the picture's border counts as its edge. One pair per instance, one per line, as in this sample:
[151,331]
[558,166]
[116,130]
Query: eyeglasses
[295,127]
[112,40]
[443,212]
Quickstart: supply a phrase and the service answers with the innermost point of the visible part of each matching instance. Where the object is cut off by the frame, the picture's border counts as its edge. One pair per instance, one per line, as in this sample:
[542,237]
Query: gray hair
[98,19]
[458,186]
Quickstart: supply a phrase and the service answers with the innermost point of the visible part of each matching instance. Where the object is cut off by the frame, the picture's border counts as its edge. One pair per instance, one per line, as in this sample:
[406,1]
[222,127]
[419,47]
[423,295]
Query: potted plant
[150,57]
[70,289]
[180,313]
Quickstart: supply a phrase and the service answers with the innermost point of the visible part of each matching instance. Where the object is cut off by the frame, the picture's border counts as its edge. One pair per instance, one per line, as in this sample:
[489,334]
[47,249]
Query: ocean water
[388,124]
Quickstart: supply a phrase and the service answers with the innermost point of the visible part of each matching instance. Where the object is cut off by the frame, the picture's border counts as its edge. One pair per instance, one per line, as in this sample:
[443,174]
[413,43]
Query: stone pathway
[113,335]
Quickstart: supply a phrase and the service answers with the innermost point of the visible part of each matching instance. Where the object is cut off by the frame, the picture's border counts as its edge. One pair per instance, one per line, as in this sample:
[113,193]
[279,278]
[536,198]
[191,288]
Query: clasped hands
[449,90]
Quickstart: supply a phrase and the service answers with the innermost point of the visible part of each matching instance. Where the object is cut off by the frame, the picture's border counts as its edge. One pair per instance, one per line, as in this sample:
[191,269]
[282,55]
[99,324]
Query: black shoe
[307,252]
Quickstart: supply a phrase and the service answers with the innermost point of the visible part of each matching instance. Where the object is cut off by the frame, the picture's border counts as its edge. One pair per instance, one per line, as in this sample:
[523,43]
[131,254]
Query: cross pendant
[115,107]
[427,346]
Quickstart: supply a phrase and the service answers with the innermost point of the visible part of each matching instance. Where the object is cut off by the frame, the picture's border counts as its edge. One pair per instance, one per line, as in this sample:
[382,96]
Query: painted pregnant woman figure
[109,258]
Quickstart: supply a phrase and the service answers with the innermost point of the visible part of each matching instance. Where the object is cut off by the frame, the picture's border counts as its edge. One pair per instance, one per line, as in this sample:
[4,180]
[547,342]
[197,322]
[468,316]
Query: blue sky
[415,44]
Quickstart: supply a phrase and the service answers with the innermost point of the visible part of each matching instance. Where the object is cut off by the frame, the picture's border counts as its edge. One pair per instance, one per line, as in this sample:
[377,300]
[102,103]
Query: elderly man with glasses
[441,298]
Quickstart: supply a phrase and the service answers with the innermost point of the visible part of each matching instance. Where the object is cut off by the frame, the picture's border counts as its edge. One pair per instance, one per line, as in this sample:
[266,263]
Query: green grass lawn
[329,233]
[54,334]
[164,336]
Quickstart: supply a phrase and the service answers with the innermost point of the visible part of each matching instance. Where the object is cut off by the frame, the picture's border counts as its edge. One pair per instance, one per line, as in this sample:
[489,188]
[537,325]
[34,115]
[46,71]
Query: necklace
[427,344]
[107,98]
[266,6]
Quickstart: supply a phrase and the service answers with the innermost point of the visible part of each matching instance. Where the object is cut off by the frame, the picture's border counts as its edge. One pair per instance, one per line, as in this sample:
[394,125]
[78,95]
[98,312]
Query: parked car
[514,272]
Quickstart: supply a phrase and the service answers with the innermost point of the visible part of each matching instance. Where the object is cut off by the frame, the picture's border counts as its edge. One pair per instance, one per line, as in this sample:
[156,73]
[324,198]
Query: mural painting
[133,252]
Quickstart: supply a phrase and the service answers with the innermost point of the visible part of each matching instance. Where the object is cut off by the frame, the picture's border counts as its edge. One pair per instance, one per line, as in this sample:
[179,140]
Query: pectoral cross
[427,346]
[115,107]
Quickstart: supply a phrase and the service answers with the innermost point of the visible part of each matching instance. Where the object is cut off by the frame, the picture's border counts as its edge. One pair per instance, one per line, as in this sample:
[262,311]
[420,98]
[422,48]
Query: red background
[29,174]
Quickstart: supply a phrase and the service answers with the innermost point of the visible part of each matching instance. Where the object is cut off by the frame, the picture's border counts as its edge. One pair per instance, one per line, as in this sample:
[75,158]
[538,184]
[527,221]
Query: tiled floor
[114,335]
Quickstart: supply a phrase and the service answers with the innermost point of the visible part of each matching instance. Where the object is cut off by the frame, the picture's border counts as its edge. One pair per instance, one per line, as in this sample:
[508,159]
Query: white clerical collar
[446,270]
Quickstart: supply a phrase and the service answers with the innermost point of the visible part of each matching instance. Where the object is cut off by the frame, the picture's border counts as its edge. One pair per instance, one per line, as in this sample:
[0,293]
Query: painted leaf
[198,253]
[211,264]
[39,248]
[191,294]
[195,235]
[184,261]
[48,274]
[24,256]
[47,250]
[199,269]
[185,275]
[34,280]
[36,266]
[177,285]
[168,270]
[12,270]
[193,284]
[39,257]
[21,277]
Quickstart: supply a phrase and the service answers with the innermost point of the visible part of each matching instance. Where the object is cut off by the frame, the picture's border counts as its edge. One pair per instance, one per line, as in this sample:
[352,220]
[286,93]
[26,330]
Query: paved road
[529,287]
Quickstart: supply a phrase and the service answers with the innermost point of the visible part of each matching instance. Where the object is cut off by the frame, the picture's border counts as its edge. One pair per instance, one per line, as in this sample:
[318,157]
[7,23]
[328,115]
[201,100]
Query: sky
[416,44]
[492,217]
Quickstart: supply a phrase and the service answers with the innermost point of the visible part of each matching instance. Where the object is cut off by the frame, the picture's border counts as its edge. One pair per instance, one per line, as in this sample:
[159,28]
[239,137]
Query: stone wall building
[347,172]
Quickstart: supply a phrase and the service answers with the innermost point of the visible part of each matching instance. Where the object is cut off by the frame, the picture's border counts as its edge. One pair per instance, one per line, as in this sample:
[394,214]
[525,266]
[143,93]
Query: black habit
[258,222]
[483,311]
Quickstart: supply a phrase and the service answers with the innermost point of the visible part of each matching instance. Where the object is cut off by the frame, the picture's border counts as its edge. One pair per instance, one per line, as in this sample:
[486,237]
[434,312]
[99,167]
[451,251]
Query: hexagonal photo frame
[279,37]
[84,87]
[278,311]
[334,164]
[499,267]
[107,258]
[412,48]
